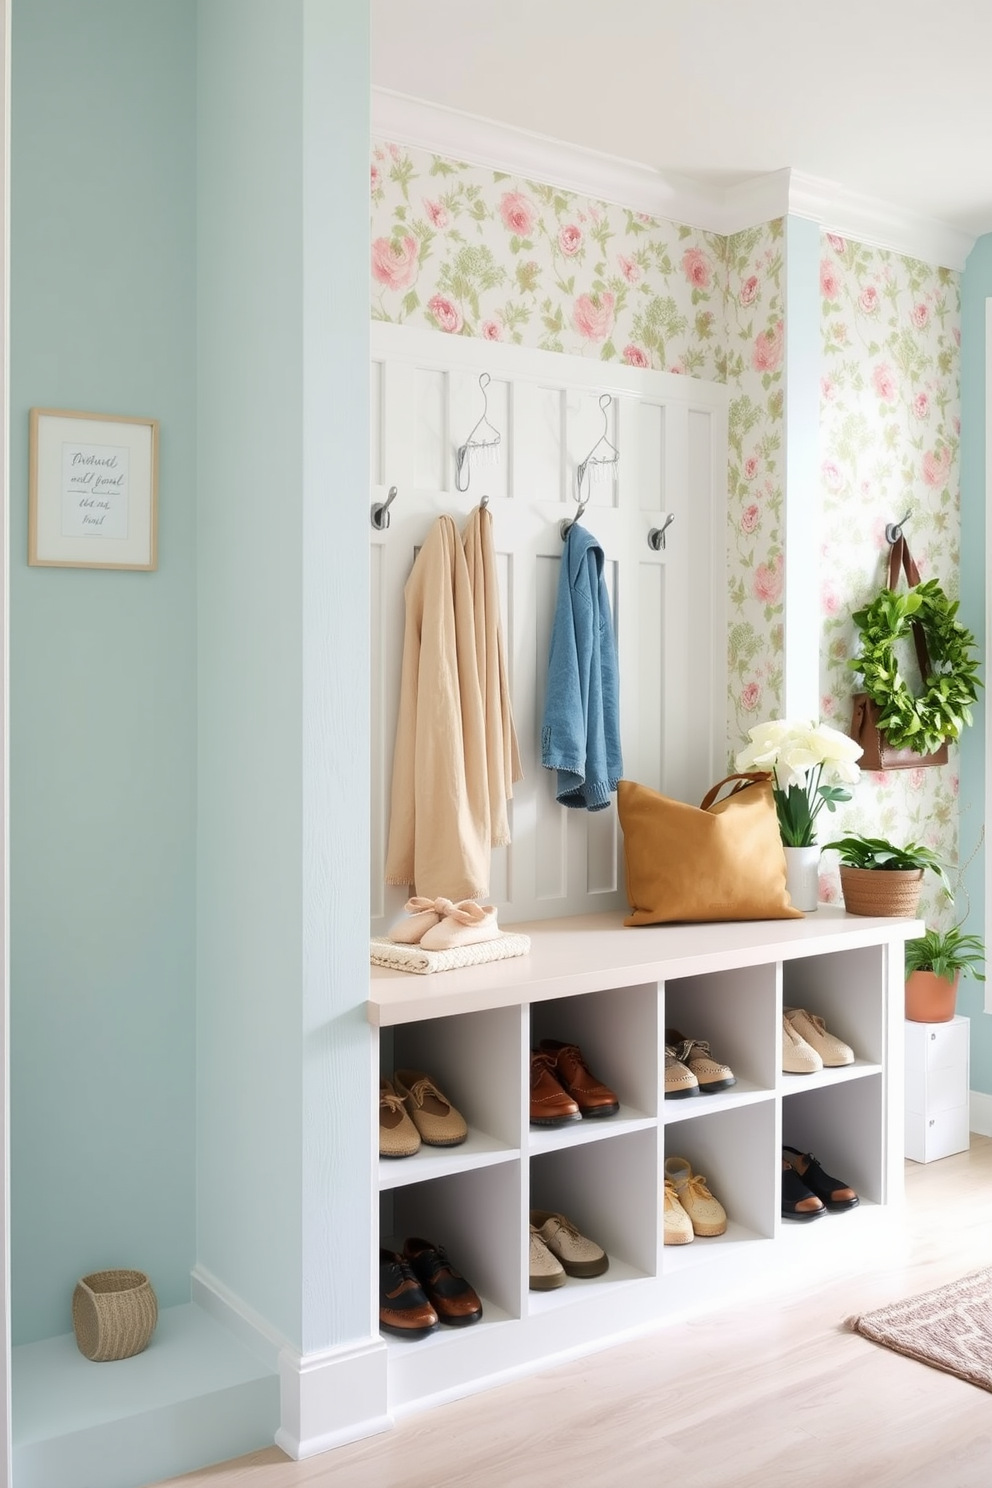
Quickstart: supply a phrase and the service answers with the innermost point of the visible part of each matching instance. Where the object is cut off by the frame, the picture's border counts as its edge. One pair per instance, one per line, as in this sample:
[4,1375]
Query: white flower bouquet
[811,764]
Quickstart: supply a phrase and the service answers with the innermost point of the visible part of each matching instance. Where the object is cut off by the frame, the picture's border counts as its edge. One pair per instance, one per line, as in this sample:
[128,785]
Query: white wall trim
[980,1116]
[673,198]
[325,1398]
[228,1309]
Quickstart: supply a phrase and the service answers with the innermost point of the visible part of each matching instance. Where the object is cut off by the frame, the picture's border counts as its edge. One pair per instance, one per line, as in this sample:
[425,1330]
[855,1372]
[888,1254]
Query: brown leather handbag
[877,752]
[721,860]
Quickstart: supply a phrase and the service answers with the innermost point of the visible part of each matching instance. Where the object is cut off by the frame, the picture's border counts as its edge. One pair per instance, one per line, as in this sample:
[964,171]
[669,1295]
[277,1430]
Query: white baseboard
[247,1326]
[980,1120]
[331,1398]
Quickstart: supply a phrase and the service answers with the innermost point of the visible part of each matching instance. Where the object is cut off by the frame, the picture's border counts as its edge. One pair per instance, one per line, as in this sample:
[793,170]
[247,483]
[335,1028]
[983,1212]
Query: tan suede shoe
[435,1118]
[798,1058]
[546,1271]
[678,1225]
[579,1255]
[695,1055]
[832,1050]
[707,1214]
[398,1137]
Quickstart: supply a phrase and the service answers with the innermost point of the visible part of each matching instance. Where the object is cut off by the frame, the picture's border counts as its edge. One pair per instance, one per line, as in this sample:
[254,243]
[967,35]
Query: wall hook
[893,530]
[656,537]
[485,447]
[380,511]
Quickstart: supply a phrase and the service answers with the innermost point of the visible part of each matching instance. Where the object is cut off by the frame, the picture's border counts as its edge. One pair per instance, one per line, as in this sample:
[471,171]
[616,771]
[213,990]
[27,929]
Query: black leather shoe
[448,1292]
[403,1307]
[831,1191]
[798,1201]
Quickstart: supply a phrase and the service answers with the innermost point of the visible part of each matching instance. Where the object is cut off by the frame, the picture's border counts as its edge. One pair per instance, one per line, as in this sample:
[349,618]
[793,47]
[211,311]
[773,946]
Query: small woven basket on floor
[113,1314]
[881,891]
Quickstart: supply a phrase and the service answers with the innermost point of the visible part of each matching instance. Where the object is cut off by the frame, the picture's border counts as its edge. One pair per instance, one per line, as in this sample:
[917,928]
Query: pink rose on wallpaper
[767,352]
[447,315]
[394,151]
[750,697]
[677,370]
[749,290]
[593,321]
[829,603]
[635,357]
[395,264]
[921,405]
[956,333]
[936,465]
[628,268]
[436,212]
[956,425]
[828,390]
[767,582]
[919,316]
[829,279]
[955,784]
[375,175]
[917,779]
[750,468]
[832,478]
[750,518]
[697,268]
[827,707]
[570,240]
[517,212]
[827,891]
[839,245]
[868,299]
[491,330]
[884,382]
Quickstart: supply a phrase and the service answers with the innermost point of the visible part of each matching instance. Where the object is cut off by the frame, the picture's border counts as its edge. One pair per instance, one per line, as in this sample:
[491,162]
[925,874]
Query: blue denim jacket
[580,737]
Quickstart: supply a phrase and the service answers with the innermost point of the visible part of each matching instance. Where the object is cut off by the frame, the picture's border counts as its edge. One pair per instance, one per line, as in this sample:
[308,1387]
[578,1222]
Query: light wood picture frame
[93,490]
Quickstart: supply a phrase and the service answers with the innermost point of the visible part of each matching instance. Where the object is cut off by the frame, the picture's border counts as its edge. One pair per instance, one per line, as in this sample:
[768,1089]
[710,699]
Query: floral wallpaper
[889,444]
[475,252]
[755,330]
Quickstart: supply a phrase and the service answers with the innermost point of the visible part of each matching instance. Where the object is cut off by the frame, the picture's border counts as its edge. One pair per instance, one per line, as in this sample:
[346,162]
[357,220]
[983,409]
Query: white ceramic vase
[802,876]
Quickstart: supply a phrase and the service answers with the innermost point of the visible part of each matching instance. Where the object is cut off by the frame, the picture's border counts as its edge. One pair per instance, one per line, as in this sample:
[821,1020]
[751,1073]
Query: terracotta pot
[881,891]
[930,998]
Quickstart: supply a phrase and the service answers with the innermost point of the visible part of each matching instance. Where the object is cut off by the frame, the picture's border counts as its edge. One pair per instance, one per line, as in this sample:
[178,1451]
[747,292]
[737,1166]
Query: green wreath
[943,710]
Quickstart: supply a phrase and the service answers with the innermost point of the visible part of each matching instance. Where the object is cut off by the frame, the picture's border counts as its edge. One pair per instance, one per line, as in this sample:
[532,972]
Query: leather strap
[750,777]
[900,557]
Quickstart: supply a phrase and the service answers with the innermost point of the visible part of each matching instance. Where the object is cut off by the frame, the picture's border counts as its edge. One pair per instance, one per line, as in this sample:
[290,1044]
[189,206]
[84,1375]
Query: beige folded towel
[385,952]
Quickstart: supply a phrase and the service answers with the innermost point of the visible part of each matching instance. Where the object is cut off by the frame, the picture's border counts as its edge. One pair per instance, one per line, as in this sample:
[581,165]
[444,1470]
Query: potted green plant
[878,877]
[934,964]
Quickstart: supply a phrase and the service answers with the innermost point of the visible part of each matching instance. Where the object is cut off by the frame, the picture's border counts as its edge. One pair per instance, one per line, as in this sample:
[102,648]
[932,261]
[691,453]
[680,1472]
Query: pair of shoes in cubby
[413,1110]
[419,1289]
[563,1088]
[559,1250]
[808,1192]
[690,1208]
[808,1046]
[690,1068]
[441,925]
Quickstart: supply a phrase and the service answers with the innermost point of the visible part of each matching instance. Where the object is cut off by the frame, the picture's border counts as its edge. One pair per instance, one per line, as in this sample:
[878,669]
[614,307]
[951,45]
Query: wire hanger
[484,448]
[600,464]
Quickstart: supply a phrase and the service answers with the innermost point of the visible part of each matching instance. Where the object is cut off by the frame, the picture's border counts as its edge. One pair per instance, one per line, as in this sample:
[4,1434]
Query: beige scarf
[456,752]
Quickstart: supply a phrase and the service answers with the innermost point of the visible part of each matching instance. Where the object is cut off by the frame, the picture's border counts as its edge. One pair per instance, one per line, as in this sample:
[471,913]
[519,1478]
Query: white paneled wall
[668,605]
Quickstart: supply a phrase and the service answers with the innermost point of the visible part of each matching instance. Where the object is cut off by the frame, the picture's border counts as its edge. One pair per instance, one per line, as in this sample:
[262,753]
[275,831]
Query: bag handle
[900,557]
[749,777]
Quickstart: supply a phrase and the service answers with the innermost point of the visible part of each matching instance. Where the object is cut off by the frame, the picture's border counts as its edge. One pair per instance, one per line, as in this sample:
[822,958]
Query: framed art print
[93,490]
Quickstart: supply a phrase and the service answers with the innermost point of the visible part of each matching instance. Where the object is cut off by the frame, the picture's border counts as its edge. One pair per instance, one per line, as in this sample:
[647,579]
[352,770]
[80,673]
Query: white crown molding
[428,126]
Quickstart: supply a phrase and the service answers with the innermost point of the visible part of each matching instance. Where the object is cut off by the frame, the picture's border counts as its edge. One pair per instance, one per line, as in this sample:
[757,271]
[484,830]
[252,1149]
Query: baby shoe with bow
[462,924]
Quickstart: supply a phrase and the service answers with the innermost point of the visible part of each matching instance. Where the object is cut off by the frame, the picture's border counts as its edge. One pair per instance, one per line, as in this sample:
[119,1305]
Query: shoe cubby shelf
[614,991]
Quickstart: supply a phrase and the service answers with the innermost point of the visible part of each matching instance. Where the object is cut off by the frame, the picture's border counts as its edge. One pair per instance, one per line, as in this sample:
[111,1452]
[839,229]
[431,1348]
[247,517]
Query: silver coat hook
[380,511]
[893,530]
[656,537]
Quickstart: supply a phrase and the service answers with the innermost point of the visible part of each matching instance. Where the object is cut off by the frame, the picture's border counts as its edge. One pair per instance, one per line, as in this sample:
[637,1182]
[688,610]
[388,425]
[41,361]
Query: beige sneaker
[833,1051]
[679,1079]
[798,1057]
[678,1225]
[706,1213]
[695,1055]
[579,1255]
[546,1271]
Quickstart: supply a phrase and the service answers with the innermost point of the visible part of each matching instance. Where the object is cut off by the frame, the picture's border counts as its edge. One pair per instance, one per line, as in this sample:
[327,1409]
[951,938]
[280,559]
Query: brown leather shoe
[550,1103]
[403,1307]
[833,1192]
[592,1097]
[447,1291]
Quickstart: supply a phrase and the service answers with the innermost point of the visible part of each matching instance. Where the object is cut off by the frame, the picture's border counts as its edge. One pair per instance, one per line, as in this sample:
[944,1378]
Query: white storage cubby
[613,991]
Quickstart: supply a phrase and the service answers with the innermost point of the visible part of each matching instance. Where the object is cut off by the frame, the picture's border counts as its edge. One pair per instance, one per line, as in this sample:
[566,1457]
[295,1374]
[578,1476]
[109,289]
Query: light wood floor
[765,1394]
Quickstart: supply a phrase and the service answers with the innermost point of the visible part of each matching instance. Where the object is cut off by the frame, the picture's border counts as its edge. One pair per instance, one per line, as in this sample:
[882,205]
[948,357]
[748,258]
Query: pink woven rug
[949,1328]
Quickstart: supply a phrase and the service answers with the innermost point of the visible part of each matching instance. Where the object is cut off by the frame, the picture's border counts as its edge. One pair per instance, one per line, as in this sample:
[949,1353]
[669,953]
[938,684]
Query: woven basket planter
[113,1314]
[881,891]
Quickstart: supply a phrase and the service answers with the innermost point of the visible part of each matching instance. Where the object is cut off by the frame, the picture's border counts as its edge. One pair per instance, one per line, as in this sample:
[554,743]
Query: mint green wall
[976,287]
[102,664]
[284,1073]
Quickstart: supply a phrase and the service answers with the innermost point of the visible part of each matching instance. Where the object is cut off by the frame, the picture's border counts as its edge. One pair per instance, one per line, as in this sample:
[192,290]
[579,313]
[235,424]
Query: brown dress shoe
[592,1097]
[448,1292]
[403,1306]
[550,1103]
